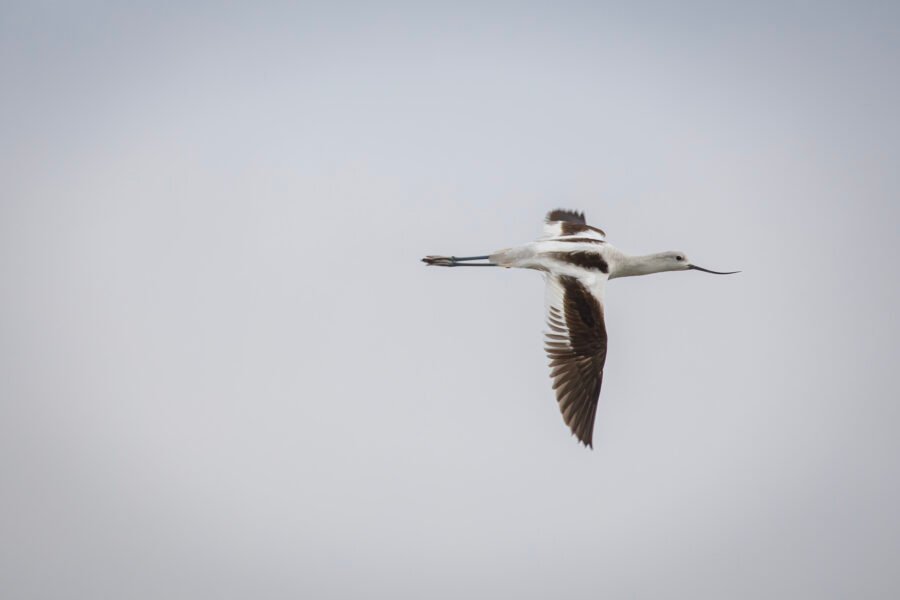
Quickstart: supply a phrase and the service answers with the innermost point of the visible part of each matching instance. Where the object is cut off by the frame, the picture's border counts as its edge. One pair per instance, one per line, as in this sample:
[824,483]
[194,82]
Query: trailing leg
[457,261]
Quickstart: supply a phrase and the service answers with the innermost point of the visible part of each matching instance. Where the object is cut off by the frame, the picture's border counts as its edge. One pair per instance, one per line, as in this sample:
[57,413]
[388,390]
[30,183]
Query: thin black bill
[696,268]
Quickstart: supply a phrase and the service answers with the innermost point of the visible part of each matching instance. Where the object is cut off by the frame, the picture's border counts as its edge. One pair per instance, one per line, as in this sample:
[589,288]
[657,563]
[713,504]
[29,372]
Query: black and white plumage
[576,261]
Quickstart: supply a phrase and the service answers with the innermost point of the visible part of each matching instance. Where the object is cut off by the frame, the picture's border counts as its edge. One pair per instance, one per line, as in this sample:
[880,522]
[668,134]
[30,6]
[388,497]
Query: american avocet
[576,261]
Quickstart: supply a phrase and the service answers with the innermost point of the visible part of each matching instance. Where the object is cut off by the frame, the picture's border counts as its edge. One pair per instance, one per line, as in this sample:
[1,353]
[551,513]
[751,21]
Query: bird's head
[678,261]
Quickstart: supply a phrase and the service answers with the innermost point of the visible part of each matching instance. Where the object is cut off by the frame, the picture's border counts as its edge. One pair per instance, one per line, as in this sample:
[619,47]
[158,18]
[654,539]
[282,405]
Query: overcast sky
[225,374]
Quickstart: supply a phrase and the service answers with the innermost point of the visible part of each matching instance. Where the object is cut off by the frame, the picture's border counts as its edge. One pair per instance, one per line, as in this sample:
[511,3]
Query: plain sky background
[225,374]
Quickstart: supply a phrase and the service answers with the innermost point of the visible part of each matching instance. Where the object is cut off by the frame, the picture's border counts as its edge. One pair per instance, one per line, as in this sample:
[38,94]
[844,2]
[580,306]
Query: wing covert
[569,223]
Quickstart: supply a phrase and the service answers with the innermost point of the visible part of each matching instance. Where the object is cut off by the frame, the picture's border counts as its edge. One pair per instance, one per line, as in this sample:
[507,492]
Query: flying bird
[576,261]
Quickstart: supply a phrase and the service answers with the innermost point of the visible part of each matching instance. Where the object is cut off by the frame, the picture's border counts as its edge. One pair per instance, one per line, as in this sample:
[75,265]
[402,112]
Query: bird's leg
[465,258]
[456,261]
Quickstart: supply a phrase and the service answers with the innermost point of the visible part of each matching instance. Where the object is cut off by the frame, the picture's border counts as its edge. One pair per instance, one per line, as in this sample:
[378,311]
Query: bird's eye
[679,258]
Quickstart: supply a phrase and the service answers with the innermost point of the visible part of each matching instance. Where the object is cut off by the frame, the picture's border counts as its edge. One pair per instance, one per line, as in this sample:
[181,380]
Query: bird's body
[576,261]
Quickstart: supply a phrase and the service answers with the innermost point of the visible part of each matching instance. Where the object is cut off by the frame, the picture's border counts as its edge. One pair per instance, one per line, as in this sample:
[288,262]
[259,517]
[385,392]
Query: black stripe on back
[591,261]
[579,240]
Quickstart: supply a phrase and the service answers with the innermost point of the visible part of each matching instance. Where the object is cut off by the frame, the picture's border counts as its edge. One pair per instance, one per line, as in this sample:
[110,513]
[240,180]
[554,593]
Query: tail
[458,261]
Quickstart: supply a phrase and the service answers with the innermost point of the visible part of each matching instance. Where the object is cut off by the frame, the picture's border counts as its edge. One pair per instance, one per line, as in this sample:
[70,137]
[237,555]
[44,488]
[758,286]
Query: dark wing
[576,347]
[567,224]
[566,215]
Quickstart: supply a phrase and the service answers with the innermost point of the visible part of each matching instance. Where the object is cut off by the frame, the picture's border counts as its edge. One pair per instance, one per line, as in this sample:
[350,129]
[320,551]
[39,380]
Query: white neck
[630,266]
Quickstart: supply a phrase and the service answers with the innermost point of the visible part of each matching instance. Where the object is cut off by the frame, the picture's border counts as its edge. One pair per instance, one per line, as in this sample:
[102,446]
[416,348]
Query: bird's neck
[631,266]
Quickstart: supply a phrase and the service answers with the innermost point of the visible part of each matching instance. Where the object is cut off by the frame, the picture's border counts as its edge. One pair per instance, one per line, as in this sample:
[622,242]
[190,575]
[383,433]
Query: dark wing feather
[566,215]
[576,347]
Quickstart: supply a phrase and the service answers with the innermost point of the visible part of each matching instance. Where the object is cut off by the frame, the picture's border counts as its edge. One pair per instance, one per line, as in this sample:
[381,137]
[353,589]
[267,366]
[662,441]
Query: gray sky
[225,374]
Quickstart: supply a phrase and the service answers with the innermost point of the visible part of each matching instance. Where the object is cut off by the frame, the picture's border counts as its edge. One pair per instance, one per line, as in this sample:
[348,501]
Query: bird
[576,261]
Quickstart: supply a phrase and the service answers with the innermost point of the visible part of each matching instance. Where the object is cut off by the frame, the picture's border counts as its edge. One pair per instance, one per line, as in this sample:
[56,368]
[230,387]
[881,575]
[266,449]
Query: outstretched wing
[564,224]
[576,347]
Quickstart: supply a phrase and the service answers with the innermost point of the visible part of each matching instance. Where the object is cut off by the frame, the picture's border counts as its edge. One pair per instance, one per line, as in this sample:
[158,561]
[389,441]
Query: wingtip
[587,443]
[564,214]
